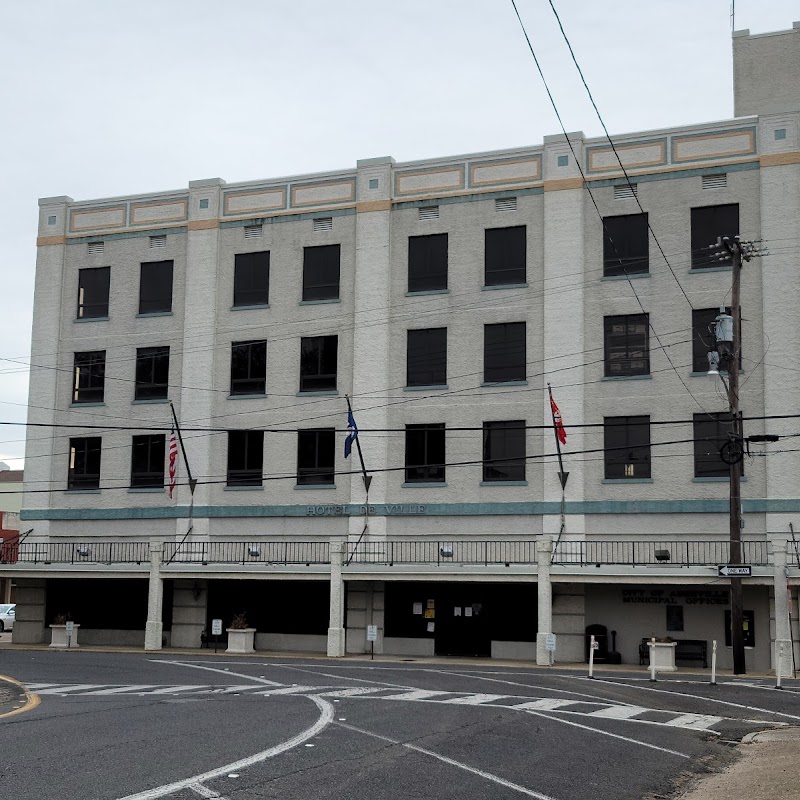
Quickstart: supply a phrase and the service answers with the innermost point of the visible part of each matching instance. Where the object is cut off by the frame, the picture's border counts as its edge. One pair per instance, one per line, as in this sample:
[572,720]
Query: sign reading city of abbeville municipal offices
[734,570]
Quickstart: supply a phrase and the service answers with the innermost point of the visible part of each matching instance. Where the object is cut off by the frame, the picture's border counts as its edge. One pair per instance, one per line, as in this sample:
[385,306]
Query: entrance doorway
[462,625]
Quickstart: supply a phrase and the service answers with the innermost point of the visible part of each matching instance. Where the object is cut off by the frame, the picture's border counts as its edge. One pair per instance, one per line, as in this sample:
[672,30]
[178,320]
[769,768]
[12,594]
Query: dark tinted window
[251,279]
[321,272]
[315,456]
[709,223]
[147,461]
[425,453]
[504,451]
[627,447]
[504,352]
[249,367]
[93,285]
[505,255]
[318,363]
[427,263]
[627,345]
[626,248]
[711,432]
[84,463]
[152,373]
[155,287]
[245,458]
[426,357]
[88,383]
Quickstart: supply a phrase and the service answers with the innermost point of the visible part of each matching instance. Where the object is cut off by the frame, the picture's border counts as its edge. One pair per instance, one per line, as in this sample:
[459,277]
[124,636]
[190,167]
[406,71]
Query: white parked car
[7,616]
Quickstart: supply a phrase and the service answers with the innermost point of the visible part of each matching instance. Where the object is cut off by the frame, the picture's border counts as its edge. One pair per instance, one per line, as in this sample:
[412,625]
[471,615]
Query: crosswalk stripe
[34,687]
[353,691]
[175,689]
[122,689]
[419,694]
[291,690]
[545,704]
[76,687]
[696,722]
[475,699]
[618,712]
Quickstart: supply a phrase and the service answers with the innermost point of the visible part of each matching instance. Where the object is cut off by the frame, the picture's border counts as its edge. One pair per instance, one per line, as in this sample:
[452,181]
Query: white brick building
[498,266]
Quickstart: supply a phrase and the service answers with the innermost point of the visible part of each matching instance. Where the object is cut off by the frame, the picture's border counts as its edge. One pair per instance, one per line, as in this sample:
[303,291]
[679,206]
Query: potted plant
[241,639]
[662,653]
[64,634]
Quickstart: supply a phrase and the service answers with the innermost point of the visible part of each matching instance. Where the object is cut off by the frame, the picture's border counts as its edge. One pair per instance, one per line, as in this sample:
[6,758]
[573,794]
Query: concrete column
[189,611]
[544,550]
[155,601]
[29,617]
[336,620]
[783,631]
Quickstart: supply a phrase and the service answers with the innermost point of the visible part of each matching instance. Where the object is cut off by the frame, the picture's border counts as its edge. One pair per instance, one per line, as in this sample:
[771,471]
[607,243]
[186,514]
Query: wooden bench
[685,650]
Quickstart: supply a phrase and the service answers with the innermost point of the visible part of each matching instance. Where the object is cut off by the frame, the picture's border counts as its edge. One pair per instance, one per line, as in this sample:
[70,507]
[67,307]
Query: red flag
[173,462]
[560,432]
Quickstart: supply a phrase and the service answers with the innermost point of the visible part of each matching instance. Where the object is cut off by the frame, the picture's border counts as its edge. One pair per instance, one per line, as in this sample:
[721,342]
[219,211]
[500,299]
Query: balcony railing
[442,553]
[665,553]
[306,553]
[75,553]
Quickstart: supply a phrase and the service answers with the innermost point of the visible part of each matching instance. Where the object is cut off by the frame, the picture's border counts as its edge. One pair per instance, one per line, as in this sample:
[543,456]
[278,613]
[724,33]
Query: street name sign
[734,570]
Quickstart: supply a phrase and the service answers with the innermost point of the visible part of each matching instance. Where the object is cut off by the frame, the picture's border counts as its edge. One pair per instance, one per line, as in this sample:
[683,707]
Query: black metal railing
[90,552]
[442,553]
[246,553]
[642,553]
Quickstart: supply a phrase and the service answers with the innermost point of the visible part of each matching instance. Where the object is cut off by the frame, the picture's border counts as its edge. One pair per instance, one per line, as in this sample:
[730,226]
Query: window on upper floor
[504,451]
[155,287]
[147,461]
[427,263]
[93,286]
[504,256]
[315,456]
[89,376]
[708,224]
[84,463]
[627,348]
[245,458]
[711,432]
[426,357]
[504,352]
[626,246]
[321,272]
[703,337]
[248,367]
[425,453]
[627,447]
[152,373]
[318,363]
[251,279]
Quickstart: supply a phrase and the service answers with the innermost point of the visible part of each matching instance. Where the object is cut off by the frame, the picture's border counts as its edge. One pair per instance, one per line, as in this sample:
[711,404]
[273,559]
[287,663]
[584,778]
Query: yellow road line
[31,700]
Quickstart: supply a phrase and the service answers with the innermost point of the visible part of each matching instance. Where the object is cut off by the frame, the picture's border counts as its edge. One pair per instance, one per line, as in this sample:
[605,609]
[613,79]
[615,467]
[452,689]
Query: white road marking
[698,722]
[345,677]
[608,733]
[34,687]
[452,762]
[618,712]
[475,699]
[122,689]
[289,690]
[355,691]
[417,694]
[325,719]
[545,704]
[204,791]
[173,689]
[75,687]
[253,678]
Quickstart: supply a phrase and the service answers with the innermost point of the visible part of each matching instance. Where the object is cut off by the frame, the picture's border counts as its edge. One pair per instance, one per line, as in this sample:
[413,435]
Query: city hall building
[439,298]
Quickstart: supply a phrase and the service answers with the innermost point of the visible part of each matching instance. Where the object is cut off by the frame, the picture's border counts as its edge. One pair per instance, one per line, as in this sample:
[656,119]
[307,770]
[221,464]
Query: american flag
[557,421]
[173,462]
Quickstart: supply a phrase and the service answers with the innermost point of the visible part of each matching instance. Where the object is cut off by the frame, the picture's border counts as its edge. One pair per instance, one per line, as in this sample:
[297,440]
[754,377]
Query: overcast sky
[101,98]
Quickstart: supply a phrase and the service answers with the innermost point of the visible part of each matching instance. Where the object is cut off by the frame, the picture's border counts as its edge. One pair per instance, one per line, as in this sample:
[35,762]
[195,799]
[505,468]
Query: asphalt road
[111,725]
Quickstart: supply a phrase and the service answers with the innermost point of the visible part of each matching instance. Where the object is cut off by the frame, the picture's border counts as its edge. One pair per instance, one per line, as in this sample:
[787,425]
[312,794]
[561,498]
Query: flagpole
[192,482]
[367,481]
[562,476]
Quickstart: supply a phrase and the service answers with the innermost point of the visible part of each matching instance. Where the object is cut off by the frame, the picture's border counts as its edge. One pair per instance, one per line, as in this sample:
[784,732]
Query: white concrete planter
[241,640]
[662,655]
[59,636]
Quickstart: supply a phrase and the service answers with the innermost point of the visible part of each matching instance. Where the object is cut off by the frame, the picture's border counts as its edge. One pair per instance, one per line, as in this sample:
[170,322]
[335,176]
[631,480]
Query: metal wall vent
[323,224]
[96,248]
[715,181]
[505,204]
[429,212]
[252,231]
[158,241]
[626,192]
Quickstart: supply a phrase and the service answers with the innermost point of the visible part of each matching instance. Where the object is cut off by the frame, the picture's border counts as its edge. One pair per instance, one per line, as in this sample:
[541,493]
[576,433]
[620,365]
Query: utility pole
[728,335]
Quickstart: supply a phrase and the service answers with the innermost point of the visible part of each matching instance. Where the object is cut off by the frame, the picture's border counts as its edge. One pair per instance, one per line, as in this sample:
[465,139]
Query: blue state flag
[352,434]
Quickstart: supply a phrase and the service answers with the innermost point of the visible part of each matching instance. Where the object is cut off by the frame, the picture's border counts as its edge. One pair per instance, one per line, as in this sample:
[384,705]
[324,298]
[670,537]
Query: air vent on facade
[429,212]
[158,241]
[626,192]
[323,224]
[252,231]
[715,181]
[96,248]
[505,204]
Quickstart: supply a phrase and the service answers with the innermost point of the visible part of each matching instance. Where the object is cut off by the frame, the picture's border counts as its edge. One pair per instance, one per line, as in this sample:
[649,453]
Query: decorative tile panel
[145,213]
[433,179]
[92,219]
[634,155]
[323,193]
[255,201]
[505,171]
[717,144]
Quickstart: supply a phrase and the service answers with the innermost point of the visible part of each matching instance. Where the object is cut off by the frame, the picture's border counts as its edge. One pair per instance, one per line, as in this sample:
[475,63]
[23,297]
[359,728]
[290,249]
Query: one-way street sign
[735,570]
